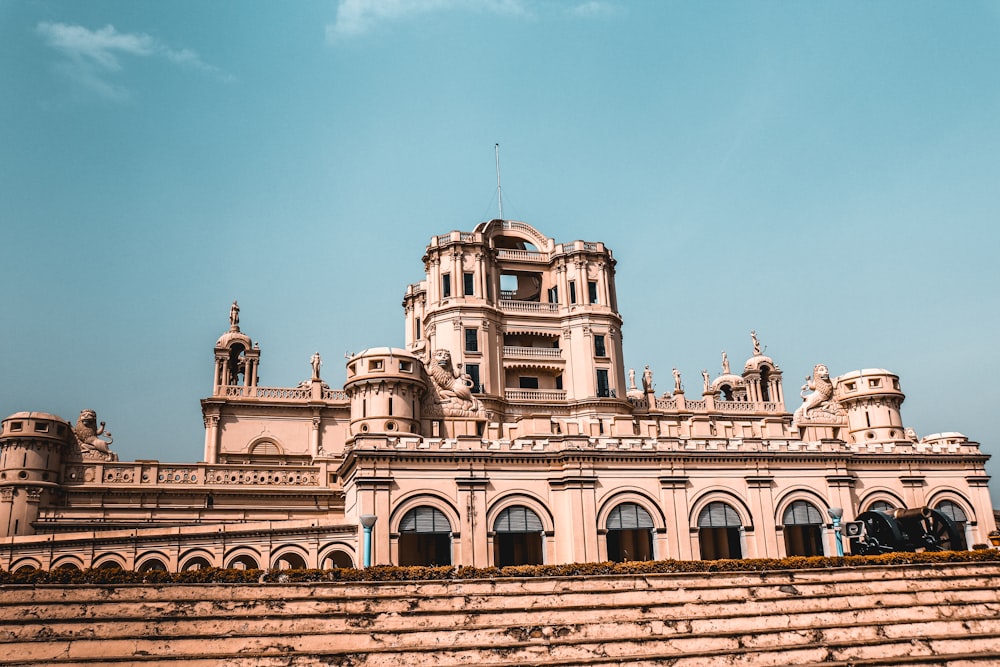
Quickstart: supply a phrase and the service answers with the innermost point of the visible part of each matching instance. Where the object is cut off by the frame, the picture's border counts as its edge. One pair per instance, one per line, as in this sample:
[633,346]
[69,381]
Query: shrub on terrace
[213,575]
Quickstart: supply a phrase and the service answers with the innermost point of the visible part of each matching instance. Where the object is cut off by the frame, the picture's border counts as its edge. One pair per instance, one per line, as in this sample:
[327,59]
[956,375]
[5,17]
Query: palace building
[506,431]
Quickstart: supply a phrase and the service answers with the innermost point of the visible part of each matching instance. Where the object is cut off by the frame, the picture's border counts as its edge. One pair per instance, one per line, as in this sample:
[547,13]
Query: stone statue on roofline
[449,391]
[316,362]
[725,363]
[88,438]
[677,380]
[234,317]
[818,406]
[756,342]
[647,380]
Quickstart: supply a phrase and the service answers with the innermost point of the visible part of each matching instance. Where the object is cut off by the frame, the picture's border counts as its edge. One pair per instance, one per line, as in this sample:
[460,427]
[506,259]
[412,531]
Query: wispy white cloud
[595,9]
[93,57]
[356,17]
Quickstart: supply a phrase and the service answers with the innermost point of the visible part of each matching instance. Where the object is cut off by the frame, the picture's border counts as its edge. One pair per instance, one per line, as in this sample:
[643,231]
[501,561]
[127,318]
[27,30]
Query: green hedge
[214,575]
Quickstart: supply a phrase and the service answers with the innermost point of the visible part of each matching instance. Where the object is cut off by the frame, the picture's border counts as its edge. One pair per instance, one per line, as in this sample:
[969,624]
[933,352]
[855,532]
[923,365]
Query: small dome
[382,352]
[35,415]
[728,379]
[756,361]
[230,337]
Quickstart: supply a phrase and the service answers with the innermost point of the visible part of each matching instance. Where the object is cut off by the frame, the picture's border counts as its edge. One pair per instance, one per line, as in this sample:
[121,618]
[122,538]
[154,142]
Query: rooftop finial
[496,148]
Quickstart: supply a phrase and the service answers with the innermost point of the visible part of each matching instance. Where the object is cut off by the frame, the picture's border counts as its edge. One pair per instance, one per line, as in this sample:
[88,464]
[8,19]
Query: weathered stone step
[687,617]
[15,605]
[462,645]
[133,619]
[887,651]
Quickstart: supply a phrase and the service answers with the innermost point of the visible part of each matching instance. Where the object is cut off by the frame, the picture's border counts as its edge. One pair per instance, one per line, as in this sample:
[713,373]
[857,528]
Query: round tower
[385,386]
[32,448]
[236,359]
[872,399]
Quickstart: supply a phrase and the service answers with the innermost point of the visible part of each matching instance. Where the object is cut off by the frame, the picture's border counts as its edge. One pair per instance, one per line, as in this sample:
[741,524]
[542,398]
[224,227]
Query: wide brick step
[460,645]
[329,602]
[864,646]
[732,616]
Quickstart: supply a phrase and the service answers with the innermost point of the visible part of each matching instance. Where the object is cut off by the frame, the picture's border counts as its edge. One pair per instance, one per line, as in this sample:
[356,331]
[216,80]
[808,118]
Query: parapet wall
[941,614]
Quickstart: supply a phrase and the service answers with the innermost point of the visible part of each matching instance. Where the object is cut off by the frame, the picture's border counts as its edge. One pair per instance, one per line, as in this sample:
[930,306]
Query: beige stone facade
[506,431]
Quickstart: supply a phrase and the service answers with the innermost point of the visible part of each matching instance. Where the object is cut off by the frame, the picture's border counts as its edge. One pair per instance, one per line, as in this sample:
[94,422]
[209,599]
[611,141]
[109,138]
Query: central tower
[532,322]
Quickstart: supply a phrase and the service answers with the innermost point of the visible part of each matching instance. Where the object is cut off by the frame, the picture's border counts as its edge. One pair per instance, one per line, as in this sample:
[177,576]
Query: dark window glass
[553,295]
[572,292]
[599,348]
[467,285]
[592,291]
[446,285]
[602,383]
[528,383]
[472,340]
[473,371]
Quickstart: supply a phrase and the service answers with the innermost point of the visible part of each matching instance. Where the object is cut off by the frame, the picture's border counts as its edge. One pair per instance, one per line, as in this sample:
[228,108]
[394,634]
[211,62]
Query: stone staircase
[946,614]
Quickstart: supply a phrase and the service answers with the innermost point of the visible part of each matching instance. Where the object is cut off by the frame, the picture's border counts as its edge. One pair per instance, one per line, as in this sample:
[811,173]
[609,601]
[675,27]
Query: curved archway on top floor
[195,559]
[152,561]
[337,555]
[25,564]
[67,562]
[242,558]
[108,561]
[289,557]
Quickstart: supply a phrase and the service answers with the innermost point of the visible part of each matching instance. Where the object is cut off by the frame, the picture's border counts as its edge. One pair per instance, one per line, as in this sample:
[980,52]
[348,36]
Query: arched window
[153,565]
[518,539]
[290,561]
[630,533]
[243,562]
[424,537]
[803,529]
[957,515]
[196,563]
[337,558]
[881,506]
[719,532]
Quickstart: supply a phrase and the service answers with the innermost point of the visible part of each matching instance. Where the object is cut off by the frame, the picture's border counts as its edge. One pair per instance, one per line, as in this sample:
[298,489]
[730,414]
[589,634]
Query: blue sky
[825,173]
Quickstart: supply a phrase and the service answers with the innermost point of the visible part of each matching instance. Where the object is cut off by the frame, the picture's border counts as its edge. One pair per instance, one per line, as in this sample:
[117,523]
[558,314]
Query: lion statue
[88,436]
[821,398]
[451,390]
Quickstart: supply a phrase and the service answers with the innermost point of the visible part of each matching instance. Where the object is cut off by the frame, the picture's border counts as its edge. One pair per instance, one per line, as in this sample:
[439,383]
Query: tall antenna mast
[499,194]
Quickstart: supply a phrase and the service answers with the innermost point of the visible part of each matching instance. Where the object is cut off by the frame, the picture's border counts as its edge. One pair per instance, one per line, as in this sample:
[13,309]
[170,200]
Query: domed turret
[872,399]
[385,386]
[236,359]
[32,448]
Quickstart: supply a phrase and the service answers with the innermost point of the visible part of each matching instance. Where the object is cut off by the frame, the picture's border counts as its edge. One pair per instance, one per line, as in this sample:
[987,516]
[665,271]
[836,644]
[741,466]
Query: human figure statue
[705,378]
[631,379]
[234,315]
[647,380]
[756,343]
[677,380]
[316,363]
[725,363]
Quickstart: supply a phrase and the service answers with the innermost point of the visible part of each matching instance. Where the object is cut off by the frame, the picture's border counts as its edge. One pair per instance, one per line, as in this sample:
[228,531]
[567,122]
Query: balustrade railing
[666,404]
[282,394]
[528,306]
[533,352]
[522,255]
[535,394]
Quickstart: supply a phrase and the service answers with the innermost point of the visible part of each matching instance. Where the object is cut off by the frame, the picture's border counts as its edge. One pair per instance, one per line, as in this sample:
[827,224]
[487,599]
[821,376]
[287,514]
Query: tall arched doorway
[803,528]
[719,532]
[424,537]
[630,533]
[518,537]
